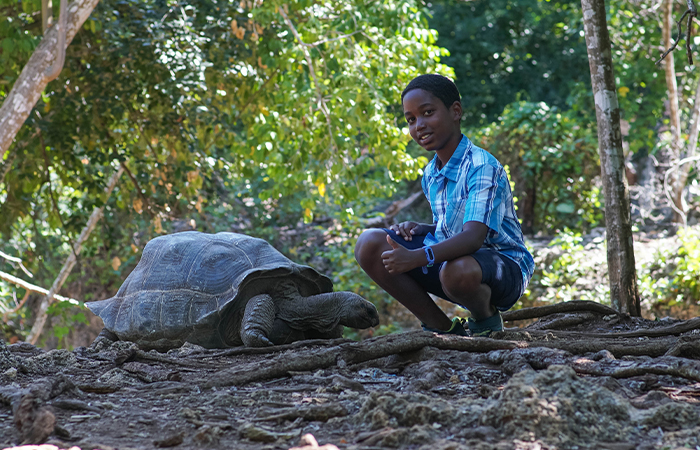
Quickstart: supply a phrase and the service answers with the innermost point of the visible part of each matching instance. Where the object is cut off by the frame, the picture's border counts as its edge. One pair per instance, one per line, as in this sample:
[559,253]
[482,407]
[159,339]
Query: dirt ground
[623,383]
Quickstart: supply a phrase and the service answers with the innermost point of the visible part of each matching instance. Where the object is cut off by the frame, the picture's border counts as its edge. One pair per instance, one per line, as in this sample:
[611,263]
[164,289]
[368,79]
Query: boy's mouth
[424,138]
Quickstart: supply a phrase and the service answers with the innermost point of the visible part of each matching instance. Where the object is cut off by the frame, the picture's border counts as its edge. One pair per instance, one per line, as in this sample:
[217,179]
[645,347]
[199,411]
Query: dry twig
[691,12]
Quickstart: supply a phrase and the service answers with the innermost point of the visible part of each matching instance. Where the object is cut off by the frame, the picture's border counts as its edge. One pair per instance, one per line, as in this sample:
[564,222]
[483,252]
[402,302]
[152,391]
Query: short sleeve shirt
[474,186]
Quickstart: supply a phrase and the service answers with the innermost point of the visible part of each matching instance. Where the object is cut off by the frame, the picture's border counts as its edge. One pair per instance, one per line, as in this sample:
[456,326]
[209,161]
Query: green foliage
[20,32]
[635,31]
[670,279]
[64,317]
[502,49]
[552,158]
[567,269]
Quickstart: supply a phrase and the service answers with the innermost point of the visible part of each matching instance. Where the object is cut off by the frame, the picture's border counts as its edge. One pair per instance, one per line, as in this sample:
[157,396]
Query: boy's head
[441,87]
[433,112]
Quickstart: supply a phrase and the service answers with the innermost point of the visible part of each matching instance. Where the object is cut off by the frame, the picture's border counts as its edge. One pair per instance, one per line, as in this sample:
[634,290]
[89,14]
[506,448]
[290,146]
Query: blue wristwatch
[431,258]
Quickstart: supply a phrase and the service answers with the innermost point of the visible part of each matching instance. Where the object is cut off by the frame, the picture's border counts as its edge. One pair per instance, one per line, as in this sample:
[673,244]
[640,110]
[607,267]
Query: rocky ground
[580,378]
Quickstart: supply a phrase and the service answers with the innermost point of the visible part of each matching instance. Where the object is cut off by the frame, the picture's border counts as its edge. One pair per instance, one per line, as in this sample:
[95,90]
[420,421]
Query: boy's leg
[461,281]
[368,253]
[483,282]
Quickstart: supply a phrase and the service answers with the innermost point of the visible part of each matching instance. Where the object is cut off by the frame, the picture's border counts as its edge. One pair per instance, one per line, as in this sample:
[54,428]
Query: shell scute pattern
[187,283]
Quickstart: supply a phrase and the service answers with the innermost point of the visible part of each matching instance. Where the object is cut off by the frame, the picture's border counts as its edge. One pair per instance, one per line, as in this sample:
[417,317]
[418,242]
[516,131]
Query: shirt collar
[451,169]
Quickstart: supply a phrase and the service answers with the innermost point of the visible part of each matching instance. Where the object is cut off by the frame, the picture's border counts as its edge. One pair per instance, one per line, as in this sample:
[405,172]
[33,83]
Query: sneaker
[484,328]
[456,328]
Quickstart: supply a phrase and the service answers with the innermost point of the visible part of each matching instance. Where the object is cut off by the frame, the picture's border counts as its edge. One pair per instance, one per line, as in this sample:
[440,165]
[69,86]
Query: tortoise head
[357,312]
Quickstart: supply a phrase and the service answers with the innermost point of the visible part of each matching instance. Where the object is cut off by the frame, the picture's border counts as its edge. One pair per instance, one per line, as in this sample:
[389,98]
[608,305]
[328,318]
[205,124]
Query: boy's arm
[401,259]
[461,244]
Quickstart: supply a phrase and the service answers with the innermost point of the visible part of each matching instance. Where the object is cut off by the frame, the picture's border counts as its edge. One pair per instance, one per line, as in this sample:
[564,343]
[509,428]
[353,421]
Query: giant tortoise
[225,290]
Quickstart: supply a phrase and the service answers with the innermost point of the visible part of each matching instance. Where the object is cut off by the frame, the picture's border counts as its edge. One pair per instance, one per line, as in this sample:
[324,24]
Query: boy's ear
[456,110]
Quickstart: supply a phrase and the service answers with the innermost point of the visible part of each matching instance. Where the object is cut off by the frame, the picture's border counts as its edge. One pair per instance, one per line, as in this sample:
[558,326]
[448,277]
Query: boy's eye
[428,112]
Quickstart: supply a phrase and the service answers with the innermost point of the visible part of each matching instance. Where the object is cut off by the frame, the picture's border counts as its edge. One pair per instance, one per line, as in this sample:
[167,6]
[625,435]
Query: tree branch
[34,288]
[32,81]
[55,69]
[691,12]
[17,260]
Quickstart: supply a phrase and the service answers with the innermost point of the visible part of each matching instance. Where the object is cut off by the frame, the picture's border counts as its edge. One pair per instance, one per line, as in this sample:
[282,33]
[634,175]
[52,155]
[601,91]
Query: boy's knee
[461,276]
[370,243]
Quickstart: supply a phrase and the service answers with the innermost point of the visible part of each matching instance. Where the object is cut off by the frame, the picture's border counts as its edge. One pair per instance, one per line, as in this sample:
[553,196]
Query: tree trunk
[674,115]
[32,81]
[621,271]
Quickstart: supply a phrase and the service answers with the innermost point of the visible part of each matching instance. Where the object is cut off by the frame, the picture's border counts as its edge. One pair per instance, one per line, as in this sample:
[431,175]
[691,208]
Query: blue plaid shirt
[473,186]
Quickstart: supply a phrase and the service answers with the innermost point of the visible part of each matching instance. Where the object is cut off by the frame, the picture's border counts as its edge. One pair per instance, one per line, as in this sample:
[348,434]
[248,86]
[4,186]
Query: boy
[473,254]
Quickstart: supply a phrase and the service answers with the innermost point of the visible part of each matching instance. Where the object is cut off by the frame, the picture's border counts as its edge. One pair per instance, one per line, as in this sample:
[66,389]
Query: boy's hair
[438,85]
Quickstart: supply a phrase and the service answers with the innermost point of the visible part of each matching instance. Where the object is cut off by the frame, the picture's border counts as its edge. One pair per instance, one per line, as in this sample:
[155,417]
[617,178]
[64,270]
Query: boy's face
[430,122]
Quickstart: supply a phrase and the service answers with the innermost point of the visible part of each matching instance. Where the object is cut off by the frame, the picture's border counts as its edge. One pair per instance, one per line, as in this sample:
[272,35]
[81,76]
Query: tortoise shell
[187,285]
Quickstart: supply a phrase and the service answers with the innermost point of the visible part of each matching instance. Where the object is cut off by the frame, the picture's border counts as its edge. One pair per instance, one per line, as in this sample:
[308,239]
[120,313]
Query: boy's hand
[407,229]
[400,259]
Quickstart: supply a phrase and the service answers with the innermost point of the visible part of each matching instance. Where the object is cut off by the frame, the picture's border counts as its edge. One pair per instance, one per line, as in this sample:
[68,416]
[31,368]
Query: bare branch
[691,12]
[667,188]
[55,69]
[17,260]
[34,288]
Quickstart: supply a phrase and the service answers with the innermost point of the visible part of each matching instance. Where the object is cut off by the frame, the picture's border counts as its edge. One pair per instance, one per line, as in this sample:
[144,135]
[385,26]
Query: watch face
[430,256]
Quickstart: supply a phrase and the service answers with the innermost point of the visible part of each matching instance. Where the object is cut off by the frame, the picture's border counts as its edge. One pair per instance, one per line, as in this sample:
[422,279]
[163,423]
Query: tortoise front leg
[257,321]
[104,339]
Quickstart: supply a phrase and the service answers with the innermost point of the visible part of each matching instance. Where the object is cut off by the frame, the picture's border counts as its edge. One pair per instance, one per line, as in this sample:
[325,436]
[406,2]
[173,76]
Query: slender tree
[674,115]
[40,69]
[621,270]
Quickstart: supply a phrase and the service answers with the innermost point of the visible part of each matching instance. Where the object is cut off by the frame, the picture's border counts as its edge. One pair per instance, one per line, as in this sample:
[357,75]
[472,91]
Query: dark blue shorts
[499,272]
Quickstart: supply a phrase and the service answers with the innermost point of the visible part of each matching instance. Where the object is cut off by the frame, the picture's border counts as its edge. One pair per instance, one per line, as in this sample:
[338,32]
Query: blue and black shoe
[457,328]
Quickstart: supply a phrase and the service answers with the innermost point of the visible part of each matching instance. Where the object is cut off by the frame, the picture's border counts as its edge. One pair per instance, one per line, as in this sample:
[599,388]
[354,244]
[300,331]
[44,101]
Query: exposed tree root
[562,323]
[358,352]
[352,353]
[665,365]
[673,330]
[312,413]
[618,347]
[275,348]
[564,307]
[140,354]
[685,346]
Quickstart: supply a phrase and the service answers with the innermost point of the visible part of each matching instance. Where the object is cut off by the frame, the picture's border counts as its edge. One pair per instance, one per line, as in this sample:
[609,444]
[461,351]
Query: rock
[672,417]
[557,406]
[7,359]
[208,435]
[393,409]
[40,447]
[118,378]
[170,441]
[259,434]
[651,400]
[34,421]
[49,363]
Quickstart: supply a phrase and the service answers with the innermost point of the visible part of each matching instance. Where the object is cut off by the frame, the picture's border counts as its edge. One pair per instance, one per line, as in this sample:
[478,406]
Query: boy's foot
[456,328]
[484,328]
